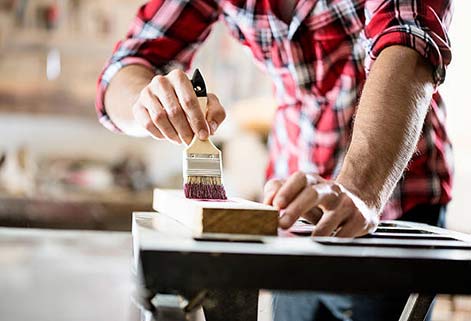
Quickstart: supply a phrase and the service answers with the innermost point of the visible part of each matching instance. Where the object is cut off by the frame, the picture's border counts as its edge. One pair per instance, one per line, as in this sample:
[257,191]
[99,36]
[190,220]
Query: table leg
[236,305]
[417,307]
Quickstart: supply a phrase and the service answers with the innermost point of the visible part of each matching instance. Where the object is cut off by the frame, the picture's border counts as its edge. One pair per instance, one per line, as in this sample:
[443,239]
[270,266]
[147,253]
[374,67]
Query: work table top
[156,232]
[431,260]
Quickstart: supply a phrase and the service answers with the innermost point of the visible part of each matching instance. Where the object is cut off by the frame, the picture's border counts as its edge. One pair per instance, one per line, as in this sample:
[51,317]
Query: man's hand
[167,108]
[333,209]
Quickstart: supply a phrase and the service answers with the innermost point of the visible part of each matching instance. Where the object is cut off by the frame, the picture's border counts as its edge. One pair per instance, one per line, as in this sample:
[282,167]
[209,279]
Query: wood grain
[232,216]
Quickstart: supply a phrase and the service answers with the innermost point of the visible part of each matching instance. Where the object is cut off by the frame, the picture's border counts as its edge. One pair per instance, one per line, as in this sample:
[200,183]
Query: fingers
[328,197]
[314,179]
[189,103]
[353,227]
[314,215]
[270,190]
[158,115]
[290,189]
[165,92]
[327,204]
[329,222]
[296,197]
[336,213]
[302,204]
[174,110]
[215,114]
[143,118]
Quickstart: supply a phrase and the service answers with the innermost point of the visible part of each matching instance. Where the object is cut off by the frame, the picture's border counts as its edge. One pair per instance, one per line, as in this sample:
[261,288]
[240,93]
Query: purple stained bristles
[205,191]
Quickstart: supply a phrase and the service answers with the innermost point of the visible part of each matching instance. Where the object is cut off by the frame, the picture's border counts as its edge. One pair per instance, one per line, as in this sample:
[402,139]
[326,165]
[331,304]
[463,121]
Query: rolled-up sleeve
[164,35]
[418,24]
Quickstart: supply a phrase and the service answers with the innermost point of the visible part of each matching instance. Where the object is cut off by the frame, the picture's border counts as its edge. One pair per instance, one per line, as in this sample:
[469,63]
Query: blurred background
[60,168]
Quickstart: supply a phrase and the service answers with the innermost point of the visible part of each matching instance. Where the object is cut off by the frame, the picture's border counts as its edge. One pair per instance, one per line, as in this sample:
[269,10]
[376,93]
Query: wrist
[365,192]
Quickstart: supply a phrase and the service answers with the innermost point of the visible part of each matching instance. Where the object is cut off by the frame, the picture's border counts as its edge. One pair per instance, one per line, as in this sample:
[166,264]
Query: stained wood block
[232,216]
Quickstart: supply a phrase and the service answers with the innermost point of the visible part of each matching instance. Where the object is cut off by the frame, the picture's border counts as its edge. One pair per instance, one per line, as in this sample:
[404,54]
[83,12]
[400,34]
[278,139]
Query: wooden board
[232,216]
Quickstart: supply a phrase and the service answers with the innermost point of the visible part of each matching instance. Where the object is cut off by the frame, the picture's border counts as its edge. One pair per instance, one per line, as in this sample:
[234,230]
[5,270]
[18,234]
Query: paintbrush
[202,169]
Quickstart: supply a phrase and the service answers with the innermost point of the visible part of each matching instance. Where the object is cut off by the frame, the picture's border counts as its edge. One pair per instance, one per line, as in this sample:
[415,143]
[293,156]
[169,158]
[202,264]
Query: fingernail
[203,134]
[213,125]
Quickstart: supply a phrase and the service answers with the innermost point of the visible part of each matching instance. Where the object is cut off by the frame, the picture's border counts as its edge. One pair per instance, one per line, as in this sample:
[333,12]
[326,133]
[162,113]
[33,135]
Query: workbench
[81,213]
[179,272]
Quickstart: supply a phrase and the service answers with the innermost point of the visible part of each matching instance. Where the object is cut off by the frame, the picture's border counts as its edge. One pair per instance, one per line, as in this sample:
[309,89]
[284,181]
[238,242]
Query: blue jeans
[317,306]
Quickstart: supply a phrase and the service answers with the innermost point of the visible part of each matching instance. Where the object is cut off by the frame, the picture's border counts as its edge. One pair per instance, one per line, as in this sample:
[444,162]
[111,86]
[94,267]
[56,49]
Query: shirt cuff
[103,82]
[430,46]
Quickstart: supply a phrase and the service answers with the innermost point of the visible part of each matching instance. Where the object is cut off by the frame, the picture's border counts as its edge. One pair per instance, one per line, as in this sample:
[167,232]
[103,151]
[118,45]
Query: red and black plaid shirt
[318,63]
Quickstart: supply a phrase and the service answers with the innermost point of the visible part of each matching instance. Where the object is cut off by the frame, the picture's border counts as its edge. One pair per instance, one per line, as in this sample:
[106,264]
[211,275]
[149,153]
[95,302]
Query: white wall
[456,91]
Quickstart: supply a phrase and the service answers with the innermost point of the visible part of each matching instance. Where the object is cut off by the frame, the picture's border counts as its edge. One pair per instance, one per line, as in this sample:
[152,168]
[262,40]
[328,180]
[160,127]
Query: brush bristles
[204,187]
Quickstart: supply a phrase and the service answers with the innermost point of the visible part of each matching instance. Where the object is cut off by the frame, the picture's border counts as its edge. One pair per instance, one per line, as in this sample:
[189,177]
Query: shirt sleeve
[420,24]
[164,35]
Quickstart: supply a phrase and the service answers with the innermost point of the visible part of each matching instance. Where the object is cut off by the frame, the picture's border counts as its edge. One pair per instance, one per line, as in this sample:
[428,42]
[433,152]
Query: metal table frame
[179,272]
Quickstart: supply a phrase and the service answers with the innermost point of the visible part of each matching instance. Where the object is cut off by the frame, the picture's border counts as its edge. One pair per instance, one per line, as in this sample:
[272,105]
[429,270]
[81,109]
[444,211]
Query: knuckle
[272,184]
[177,73]
[159,116]
[161,84]
[145,92]
[168,97]
[299,175]
[178,77]
[173,112]
[158,80]
[190,101]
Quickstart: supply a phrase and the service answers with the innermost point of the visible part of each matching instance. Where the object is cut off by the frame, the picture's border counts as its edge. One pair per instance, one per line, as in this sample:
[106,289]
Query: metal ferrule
[202,165]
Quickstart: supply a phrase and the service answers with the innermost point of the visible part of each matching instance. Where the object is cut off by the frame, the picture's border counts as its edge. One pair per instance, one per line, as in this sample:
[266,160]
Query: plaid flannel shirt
[318,63]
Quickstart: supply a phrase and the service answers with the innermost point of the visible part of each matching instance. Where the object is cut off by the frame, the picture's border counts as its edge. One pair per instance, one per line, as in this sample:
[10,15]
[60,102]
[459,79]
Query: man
[356,83]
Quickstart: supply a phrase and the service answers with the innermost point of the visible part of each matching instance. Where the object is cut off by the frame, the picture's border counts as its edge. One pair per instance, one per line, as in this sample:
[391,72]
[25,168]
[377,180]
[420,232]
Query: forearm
[390,116]
[123,91]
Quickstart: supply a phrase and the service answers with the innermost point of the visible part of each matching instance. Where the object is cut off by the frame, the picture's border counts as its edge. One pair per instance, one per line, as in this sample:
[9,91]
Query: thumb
[215,114]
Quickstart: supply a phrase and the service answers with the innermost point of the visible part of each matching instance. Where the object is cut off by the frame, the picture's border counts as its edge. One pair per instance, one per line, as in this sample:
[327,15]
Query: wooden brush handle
[203,101]
[202,146]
